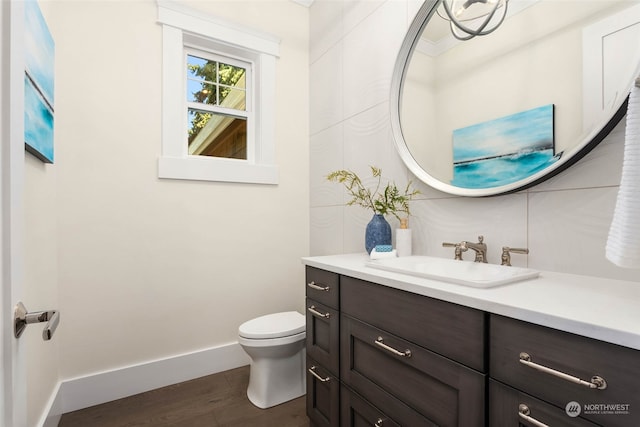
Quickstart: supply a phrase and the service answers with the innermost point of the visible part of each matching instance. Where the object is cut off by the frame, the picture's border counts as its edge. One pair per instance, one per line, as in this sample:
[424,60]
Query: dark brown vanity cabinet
[584,381]
[323,347]
[380,356]
[397,352]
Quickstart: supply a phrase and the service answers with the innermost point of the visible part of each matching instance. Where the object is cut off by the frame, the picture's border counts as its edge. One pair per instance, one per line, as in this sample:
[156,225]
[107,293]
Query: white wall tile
[370,52]
[326,90]
[368,141]
[326,157]
[356,11]
[568,232]
[326,228]
[325,27]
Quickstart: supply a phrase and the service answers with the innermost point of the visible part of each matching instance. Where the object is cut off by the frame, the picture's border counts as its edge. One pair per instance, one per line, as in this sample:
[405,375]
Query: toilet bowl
[275,343]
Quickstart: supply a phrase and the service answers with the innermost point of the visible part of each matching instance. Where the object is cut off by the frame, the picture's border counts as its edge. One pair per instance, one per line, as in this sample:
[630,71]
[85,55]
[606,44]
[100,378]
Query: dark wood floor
[213,401]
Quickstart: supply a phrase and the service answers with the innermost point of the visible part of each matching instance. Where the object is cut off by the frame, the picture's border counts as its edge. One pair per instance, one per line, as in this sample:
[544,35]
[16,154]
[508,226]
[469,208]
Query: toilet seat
[271,342]
[277,325]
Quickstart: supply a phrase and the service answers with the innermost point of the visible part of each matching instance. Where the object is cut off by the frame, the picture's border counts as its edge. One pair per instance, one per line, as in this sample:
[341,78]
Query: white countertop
[595,307]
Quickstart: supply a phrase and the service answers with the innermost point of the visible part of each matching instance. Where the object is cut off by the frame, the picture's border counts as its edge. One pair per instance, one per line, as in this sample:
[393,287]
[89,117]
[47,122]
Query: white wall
[41,283]
[150,268]
[564,221]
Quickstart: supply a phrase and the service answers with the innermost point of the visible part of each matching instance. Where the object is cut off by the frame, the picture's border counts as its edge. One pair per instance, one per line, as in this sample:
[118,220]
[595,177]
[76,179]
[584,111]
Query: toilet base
[275,381]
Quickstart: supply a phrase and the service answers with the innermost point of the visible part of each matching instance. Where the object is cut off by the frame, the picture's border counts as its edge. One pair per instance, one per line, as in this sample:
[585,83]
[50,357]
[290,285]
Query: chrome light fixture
[470,18]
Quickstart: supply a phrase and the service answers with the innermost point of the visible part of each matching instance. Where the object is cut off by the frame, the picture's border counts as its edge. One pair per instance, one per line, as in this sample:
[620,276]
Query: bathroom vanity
[390,349]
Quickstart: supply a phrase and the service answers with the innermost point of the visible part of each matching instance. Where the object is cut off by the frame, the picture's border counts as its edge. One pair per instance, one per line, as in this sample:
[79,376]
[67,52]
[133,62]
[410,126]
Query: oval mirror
[505,111]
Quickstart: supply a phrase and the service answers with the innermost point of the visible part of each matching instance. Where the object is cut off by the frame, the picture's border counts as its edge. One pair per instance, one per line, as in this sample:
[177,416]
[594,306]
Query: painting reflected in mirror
[574,65]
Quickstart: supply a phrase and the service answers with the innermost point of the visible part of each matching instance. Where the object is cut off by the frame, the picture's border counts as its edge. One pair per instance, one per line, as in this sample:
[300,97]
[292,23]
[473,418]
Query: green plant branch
[390,201]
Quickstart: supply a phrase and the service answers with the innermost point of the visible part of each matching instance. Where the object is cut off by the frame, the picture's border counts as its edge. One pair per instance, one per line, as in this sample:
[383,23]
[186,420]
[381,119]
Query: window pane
[217,135]
[200,68]
[199,91]
[233,98]
[232,76]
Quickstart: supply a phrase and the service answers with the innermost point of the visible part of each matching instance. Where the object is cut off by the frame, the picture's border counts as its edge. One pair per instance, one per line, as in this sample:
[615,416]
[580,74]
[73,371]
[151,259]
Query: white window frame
[185,29]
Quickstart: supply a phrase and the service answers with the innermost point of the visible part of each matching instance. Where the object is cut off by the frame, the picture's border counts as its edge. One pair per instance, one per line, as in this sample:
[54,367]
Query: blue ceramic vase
[378,233]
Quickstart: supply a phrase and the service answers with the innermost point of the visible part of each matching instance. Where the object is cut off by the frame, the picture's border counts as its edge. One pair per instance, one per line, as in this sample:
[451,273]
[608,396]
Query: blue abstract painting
[38,84]
[505,150]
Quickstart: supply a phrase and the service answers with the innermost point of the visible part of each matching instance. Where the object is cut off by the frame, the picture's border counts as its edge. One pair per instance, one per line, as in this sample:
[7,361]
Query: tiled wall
[353,47]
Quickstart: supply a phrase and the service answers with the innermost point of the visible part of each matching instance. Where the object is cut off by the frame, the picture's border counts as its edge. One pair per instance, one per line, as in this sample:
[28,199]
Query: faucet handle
[457,252]
[507,251]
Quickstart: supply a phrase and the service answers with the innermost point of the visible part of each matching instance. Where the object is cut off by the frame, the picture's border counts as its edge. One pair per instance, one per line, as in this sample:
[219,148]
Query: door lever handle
[21,318]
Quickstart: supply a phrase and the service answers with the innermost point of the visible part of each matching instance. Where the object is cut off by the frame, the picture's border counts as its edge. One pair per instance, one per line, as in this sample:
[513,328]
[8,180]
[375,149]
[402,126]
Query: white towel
[623,243]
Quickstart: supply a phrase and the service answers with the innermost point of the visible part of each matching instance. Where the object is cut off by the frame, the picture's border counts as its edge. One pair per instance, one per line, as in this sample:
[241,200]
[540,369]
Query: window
[218,99]
[217,106]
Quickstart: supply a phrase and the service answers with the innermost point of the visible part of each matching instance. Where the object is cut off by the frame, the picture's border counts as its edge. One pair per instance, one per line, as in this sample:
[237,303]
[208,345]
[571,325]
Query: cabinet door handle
[596,382]
[315,312]
[379,423]
[313,285]
[525,413]
[380,342]
[312,371]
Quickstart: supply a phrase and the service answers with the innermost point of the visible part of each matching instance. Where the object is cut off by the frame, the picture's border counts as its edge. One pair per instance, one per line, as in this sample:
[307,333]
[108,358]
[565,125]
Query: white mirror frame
[400,69]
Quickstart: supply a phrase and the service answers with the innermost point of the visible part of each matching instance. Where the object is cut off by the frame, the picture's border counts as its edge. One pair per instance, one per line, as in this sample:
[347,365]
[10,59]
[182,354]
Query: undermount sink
[475,274]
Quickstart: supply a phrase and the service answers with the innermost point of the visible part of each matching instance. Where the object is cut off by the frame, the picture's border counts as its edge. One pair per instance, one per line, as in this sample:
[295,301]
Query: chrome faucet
[507,251]
[458,251]
[480,249]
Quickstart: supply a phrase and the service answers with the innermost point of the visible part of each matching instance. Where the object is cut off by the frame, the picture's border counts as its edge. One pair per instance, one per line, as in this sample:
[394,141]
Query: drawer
[449,329]
[377,364]
[357,412]
[323,286]
[575,356]
[323,396]
[323,335]
[506,404]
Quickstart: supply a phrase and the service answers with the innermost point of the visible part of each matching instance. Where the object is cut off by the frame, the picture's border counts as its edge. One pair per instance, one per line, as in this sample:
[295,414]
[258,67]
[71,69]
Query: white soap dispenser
[403,238]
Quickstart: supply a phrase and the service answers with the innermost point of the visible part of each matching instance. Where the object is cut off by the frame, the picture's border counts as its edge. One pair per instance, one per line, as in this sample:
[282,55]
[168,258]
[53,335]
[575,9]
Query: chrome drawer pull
[524,412]
[380,342]
[596,381]
[313,285]
[312,371]
[378,423]
[313,310]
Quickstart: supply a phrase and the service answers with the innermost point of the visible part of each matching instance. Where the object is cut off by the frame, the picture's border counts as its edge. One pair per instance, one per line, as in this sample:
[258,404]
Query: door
[13,392]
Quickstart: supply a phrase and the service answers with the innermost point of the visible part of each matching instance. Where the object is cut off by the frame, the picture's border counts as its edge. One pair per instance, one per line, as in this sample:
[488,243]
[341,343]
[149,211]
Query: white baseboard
[53,410]
[83,392]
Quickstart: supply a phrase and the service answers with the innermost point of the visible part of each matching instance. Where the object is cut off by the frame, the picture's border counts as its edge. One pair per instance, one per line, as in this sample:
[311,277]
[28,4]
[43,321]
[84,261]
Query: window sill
[216,169]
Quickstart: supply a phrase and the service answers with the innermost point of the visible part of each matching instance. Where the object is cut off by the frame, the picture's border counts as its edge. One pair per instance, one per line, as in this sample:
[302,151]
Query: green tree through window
[212,83]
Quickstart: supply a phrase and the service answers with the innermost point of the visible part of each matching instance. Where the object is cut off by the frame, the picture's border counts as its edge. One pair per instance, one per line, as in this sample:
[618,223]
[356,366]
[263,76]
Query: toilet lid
[273,325]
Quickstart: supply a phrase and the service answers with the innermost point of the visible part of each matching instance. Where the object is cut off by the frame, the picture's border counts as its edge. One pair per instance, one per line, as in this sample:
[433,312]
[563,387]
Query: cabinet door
[377,364]
[357,412]
[323,396]
[549,364]
[323,335]
[508,408]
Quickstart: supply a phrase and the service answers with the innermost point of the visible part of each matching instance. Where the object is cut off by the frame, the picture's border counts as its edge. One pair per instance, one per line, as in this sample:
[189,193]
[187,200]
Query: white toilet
[275,343]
